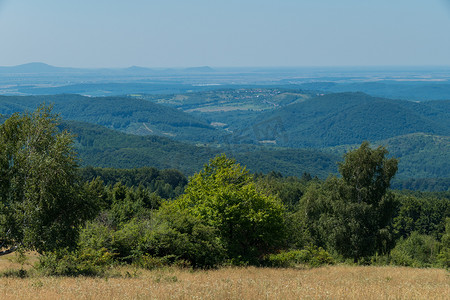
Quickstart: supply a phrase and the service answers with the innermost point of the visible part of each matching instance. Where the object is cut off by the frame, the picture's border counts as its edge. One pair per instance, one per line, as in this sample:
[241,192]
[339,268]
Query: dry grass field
[334,282]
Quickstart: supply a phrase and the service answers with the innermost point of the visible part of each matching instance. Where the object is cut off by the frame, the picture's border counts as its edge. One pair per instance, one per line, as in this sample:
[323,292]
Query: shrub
[444,255]
[170,236]
[179,234]
[87,262]
[151,262]
[311,256]
[415,251]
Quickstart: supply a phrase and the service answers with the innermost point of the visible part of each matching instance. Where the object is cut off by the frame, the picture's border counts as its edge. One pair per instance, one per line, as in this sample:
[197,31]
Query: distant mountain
[348,118]
[138,69]
[204,69]
[38,67]
[35,67]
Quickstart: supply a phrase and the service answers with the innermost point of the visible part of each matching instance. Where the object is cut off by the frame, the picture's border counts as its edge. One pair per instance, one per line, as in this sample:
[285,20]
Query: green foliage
[311,256]
[423,184]
[288,189]
[415,132]
[367,173]
[349,118]
[86,262]
[125,204]
[444,255]
[422,213]
[125,114]
[417,250]
[166,184]
[167,237]
[101,147]
[421,156]
[40,203]
[225,197]
[352,214]
[178,233]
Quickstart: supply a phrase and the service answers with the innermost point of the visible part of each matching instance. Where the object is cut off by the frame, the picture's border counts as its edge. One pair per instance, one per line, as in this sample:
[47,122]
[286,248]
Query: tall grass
[333,282]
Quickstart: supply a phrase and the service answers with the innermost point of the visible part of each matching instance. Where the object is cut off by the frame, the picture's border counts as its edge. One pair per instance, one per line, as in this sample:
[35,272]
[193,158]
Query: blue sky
[185,33]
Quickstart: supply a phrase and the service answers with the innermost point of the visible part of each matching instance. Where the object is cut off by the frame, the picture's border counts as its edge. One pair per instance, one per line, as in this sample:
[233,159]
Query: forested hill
[255,126]
[102,147]
[407,90]
[424,160]
[348,118]
[124,114]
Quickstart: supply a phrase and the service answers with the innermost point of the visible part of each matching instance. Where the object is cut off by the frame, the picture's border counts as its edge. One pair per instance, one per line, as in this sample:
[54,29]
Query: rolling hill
[128,115]
[127,132]
[407,90]
[348,118]
[420,155]
[102,147]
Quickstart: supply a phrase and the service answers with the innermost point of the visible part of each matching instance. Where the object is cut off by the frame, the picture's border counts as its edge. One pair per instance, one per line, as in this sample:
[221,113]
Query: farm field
[332,282]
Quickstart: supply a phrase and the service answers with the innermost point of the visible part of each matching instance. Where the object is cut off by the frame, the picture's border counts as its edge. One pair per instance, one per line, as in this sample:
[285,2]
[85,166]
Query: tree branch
[10,250]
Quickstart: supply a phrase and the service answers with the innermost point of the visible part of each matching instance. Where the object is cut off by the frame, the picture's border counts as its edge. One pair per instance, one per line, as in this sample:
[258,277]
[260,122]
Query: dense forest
[82,221]
[291,131]
[101,147]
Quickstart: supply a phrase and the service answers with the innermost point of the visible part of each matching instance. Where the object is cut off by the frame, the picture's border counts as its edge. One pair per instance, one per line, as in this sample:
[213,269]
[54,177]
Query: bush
[415,251]
[311,256]
[169,237]
[444,255]
[177,233]
[96,236]
[151,262]
[87,262]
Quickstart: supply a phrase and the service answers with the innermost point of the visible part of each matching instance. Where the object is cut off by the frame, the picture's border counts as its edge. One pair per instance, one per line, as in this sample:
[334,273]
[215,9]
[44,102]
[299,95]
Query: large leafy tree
[40,204]
[352,214]
[224,195]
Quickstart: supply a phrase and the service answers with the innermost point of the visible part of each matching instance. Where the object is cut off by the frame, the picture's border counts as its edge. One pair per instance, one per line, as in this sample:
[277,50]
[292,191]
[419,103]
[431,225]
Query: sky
[232,33]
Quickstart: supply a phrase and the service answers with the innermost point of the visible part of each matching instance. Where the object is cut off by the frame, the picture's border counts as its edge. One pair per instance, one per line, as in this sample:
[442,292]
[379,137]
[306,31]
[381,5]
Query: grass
[334,282]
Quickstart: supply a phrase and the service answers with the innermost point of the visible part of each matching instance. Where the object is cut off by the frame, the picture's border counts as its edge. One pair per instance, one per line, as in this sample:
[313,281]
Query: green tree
[444,255]
[40,204]
[352,214]
[224,195]
[424,214]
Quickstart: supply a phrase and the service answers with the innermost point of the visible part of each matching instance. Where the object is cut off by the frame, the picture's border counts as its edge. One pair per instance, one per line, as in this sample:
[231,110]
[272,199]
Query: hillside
[101,147]
[424,160]
[265,129]
[228,100]
[120,113]
[421,155]
[407,90]
[348,118]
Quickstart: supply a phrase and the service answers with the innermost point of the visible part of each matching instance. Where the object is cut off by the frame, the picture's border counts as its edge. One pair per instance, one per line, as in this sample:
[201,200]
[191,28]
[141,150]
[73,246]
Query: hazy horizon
[337,67]
[264,33]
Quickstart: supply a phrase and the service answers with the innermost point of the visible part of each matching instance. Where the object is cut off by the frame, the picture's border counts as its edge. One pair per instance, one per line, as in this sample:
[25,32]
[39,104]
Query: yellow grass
[334,282]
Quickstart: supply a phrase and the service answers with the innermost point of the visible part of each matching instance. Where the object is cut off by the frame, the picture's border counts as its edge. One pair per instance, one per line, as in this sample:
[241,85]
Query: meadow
[329,282]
